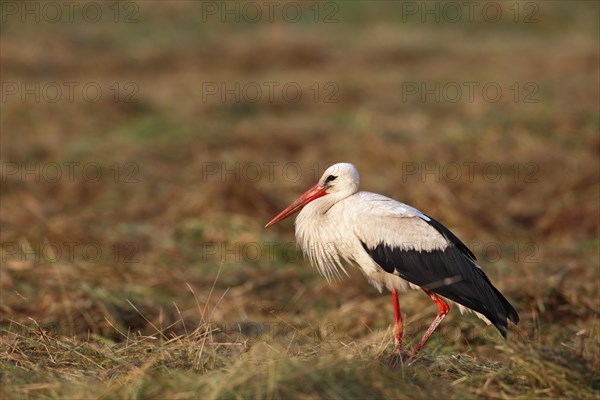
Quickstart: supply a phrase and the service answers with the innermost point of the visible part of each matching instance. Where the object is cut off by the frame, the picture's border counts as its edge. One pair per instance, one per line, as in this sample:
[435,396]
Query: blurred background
[145,145]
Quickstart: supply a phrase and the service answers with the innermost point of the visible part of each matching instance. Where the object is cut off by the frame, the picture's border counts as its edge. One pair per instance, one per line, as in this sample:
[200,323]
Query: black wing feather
[450,237]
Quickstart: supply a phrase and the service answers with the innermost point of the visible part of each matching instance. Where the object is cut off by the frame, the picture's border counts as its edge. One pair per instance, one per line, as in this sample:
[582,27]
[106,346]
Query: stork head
[338,182]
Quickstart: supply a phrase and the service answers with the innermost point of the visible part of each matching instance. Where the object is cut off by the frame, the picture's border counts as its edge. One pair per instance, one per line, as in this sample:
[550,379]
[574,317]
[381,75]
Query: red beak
[311,194]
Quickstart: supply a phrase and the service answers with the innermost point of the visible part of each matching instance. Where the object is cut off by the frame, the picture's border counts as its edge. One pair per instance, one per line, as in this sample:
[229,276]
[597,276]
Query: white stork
[395,246]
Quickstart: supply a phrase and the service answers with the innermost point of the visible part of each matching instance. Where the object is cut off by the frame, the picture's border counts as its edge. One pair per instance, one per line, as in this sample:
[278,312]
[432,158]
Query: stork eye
[330,178]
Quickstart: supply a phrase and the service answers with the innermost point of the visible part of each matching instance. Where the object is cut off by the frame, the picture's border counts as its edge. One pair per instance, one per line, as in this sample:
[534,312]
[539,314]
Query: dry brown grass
[158,315]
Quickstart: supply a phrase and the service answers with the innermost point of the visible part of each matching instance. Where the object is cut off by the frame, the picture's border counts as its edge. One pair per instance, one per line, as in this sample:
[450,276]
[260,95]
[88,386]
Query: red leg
[442,312]
[398,326]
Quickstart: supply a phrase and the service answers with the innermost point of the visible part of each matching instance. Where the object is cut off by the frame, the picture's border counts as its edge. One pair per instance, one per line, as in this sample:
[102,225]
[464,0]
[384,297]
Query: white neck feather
[319,236]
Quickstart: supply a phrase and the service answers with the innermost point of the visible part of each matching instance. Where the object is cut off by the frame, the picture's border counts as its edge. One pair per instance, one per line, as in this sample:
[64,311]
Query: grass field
[145,145]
